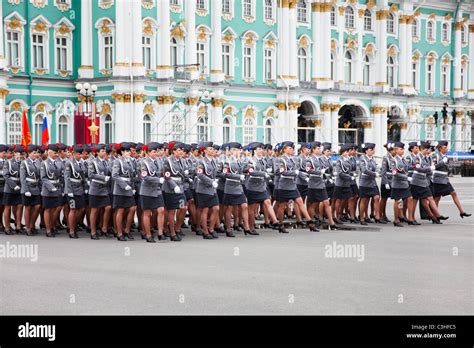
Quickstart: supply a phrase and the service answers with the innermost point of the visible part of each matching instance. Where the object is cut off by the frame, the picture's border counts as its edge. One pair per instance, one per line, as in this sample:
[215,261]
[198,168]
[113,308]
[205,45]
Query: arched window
[444,132]
[249,130]
[415,29]
[391,23]
[14,128]
[445,78]
[391,71]
[302,11]
[349,17]
[62,130]
[38,123]
[202,128]
[463,34]
[177,127]
[348,67]
[146,129]
[430,30]
[366,70]
[415,74]
[463,74]
[268,131]
[108,129]
[430,75]
[269,10]
[174,52]
[333,15]
[445,32]
[367,20]
[226,130]
[105,30]
[302,64]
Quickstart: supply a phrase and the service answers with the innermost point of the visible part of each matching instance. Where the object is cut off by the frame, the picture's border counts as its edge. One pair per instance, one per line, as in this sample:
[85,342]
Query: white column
[283,51]
[335,125]
[457,57]
[369,132]
[359,22]
[381,42]
[403,56]
[326,133]
[122,38]
[190,47]
[326,46]
[215,133]
[340,49]
[2,52]
[86,70]
[409,51]
[317,37]
[135,27]
[217,74]
[293,45]
[122,132]
[137,124]
[3,120]
[471,62]
[164,70]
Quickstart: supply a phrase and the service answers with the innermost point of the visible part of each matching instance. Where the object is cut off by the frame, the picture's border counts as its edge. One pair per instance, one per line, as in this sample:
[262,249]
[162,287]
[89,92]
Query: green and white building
[240,70]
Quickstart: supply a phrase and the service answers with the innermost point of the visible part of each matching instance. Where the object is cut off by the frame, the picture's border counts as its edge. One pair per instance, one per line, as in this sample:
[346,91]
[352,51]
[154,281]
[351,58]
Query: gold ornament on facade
[165,99]
[64,30]
[105,4]
[351,44]
[335,107]
[39,3]
[292,3]
[40,27]
[127,98]
[148,28]
[202,35]
[40,71]
[316,7]
[228,110]
[178,32]
[403,125]
[250,112]
[341,10]
[148,4]
[361,12]
[16,106]
[106,109]
[250,38]
[393,8]
[249,19]
[471,28]
[63,73]
[325,107]
[461,23]
[14,2]
[106,72]
[270,113]
[446,60]
[270,43]
[40,107]
[280,106]
[333,44]
[392,51]
[148,109]
[432,16]
[63,6]
[303,42]
[317,123]
[191,100]
[118,97]
[369,49]
[381,14]
[370,4]
[15,24]
[139,98]
[104,28]
[4,92]
[366,125]
[415,57]
[352,2]
[175,8]
[202,110]
[228,38]
[448,16]
[218,102]
[294,105]
[347,124]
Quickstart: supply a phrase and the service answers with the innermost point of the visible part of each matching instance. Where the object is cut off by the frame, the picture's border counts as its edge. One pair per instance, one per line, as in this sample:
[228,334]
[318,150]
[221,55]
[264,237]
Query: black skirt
[342,192]
[151,203]
[330,191]
[220,196]
[384,193]
[64,199]
[419,192]
[230,199]
[77,202]
[1,197]
[123,202]
[317,195]
[355,190]
[288,195]
[188,194]
[257,197]
[206,201]
[368,191]
[303,190]
[99,201]
[400,193]
[443,189]
[32,200]
[52,202]
[276,194]
[174,200]
[12,199]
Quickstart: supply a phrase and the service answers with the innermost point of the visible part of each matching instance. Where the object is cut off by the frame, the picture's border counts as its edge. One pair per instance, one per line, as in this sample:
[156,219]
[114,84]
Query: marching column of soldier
[110,190]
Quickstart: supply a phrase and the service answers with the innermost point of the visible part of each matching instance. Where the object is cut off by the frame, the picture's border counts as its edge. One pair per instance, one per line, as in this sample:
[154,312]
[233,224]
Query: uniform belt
[288,177]
[256,177]
[31,180]
[439,172]
[175,179]
[123,179]
[233,180]
[418,173]
[98,181]
[315,176]
[76,180]
[14,179]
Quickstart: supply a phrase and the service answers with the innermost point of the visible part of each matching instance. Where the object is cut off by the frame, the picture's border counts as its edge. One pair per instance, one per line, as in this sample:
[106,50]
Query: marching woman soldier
[175,200]
[151,198]
[302,178]
[31,188]
[75,183]
[442,186]
[61,163]
[420,187]
[386,182]
[344,177]
[352,203]
[317,193]
[234,197]
[3,150]
[51,189]
[326,163]
[12,191]
[123,200]
[99,173]
[189,171]
[206,193]
[400,186]
[367,185]
[85,158]
[287,189]
[256,186]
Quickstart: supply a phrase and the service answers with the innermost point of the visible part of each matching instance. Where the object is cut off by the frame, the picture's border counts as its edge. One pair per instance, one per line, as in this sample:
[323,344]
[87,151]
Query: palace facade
[240,70]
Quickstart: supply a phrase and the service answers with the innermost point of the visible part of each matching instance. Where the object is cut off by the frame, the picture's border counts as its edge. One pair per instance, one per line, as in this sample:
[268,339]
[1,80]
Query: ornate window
[268,131]
[391,23]
[270,64]
[63,47]
[174,52]
[201,5]
[464,69]
[349,17]
[249,130]
[429,128]
[106,31]
[202,57]
[37,128]
[227,7]
[367,20]
[349,67]
[248,9]
[13,48]
[445,32]
[269,10]
[14,128]
[430,30]
[14,37]
[415,29]
[177,126]
[415,70]
[430,72]
[391,71]
[226,60]
[226,128]
[463,34]
[147,129]
[367,73]
[202,128]
[302,64]
[302,11]
[445,75]
[63,129]
[149,44]
[109,129]
[248,56]
[333,16]
[39,48]
[333,65]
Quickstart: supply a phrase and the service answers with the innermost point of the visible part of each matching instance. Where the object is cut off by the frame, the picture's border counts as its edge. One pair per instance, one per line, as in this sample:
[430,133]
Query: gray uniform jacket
[441,172]
[400,172]
[300,162]
[344,172]
[174,174]
[30,177]
[276,172]
[62,166]
[97,172]
[368,171]
[2,179]
[206,173]
[50,178]
[136,165]
[386,170]
[232,170]
[122,174]
[421,171]
[354,164]
[326,162]
[288,174]
[11,173]
[150,184]
[412,160]
[189,169]
[255,168]
[74,177]
[314,169]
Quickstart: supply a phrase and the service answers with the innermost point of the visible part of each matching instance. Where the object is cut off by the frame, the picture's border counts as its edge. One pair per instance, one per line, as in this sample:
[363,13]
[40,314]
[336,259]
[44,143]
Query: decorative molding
[335,107]
[325,107]
[370,4]
[191,100]
[165,99]
[39,3]
[280,106]
[139,98]
[218,102]
[148,4]
[178,32]
[4,92]
[366,125]
[106,4]
[381,14]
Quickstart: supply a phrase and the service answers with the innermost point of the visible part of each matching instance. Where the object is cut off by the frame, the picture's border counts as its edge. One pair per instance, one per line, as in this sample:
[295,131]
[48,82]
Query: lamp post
[85,94]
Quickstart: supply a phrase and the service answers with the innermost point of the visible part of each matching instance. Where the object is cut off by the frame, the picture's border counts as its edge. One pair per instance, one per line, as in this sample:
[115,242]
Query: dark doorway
[394,132]
[349,131]
[306,131]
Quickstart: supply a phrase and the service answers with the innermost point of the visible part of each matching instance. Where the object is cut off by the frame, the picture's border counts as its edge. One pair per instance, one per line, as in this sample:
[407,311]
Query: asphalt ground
[426,269]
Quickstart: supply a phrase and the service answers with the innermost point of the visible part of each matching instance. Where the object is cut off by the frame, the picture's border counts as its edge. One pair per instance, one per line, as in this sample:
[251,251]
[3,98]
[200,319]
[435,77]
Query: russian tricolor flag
[45,132]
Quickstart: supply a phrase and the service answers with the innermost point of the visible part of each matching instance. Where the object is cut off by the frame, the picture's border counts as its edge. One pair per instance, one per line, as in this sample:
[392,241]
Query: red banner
[83,132]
